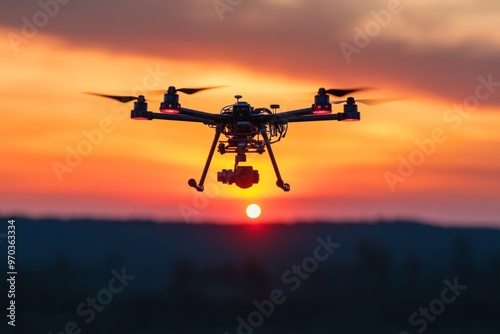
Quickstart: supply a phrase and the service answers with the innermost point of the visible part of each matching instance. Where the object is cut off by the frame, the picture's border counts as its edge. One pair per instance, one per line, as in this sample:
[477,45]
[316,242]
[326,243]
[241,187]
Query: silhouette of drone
[247,129]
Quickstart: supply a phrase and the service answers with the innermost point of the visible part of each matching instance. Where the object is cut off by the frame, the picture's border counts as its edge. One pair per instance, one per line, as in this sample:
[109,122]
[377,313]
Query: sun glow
[253,211]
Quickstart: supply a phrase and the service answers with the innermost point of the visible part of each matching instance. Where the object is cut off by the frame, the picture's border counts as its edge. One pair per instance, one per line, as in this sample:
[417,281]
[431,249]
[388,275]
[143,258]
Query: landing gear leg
[280,183]
[192,182]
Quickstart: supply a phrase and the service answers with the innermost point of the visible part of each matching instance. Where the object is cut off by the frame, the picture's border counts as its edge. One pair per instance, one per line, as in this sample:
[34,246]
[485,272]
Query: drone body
[247,129]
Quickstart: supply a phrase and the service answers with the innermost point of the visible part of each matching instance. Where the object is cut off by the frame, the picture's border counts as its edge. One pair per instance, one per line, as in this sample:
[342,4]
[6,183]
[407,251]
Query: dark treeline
[141,277]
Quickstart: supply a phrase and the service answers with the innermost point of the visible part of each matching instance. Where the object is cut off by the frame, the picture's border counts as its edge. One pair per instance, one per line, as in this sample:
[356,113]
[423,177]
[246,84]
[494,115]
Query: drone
[246,129]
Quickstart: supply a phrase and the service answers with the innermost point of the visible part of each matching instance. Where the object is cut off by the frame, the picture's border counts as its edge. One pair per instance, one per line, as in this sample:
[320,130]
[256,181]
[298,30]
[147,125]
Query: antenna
[238,97]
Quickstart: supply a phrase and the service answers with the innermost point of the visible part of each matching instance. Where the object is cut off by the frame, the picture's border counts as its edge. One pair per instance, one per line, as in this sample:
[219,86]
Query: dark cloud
[301,40]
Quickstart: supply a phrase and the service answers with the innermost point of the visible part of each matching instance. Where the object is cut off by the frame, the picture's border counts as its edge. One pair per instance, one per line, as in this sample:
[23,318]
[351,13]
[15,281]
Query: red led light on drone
[169,109]
[320,109]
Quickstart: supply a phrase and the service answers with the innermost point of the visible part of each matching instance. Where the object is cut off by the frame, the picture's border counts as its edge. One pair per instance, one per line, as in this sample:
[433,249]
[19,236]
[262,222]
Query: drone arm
[287,114]
[177,117]
[206,116]
[313,118]
[149,115]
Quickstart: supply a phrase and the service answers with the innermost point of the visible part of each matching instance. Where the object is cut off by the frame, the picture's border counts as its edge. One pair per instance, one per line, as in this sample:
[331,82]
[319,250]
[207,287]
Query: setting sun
[253,211]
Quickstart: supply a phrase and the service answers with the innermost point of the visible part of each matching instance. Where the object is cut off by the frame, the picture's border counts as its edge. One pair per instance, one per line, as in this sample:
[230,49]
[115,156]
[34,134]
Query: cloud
[427,49]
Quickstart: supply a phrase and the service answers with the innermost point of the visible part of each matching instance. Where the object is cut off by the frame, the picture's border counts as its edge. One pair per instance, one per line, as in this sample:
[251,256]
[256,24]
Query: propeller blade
[370,102]
[343,92]
[188,91]
[374,102]
[119,98]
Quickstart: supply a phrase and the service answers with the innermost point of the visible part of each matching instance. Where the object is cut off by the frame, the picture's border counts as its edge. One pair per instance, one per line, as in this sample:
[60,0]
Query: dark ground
[139,277]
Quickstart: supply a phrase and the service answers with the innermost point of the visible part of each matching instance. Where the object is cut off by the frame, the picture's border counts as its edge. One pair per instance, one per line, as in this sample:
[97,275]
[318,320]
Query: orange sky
[336,170]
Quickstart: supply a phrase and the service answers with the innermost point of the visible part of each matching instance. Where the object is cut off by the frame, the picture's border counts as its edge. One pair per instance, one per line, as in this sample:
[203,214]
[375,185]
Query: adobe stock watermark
[31,25]
[454,117]
[94,137]
[293,279]
[200,200]
[436,306]
[363,37]
[223,6]
[87,309]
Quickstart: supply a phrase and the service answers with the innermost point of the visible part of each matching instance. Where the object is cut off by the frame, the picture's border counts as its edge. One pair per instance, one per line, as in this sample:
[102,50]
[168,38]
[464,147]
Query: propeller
[341,92]
[119,98]
[171,89]
[370,102]
[188,91]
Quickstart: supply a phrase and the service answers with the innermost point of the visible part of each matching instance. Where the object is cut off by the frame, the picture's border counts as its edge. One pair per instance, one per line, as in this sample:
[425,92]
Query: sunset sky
[433,156]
